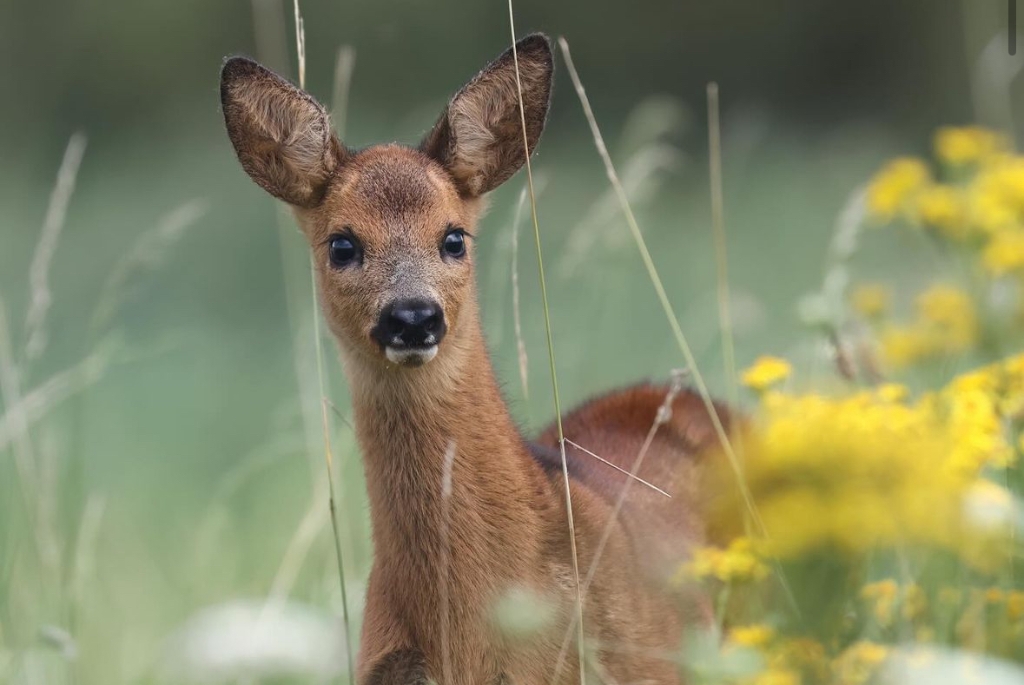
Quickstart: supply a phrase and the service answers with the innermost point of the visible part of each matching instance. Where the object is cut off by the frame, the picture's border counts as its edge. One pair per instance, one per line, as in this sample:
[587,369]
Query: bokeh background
[166,398]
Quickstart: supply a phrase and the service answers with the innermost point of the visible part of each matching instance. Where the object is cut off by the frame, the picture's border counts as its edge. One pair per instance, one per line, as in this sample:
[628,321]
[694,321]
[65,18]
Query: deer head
[391,227]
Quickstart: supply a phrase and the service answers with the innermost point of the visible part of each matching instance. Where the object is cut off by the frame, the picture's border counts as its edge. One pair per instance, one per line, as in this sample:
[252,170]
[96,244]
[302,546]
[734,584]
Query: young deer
[464,510]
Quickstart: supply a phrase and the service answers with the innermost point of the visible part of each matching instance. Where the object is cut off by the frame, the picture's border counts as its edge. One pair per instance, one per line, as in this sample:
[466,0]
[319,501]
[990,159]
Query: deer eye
[344,250]
[454,243]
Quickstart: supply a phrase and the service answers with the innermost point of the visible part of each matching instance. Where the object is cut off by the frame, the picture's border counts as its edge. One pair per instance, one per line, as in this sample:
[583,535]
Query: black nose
[410,323]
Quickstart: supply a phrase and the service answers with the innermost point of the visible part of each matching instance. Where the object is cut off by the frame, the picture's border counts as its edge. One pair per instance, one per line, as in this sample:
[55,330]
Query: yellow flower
[1015,605]
[944,209]
[966,145]
[857,473]
[880,589]
[994,595]
[736,564]
[995,197]
[870,300]
[755,636]
[988,211]
[902,346]
[1001,183]
[766,372]
[915,602]
[946,305]
[882,595]
[1004,253]
[777,676]
[802,654]
[859,662]
[893,186]
[946,323]
[892,392]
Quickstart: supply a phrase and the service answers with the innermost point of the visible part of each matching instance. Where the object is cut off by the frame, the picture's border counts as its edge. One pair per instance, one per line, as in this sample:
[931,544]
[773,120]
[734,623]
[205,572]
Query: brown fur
[444,558]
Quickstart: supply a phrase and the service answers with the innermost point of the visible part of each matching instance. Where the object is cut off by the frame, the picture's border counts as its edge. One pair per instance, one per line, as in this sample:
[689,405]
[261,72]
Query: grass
[191,445]
[156,458]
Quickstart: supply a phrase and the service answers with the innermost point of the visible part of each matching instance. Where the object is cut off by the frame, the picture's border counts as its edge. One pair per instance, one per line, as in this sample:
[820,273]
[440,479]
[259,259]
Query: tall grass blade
[300,44]
[145,254]
[661,417]
[659,288]
[517,318]
[551,355]
[344,65]
[268,23]
[721,254]
[329,459]
[677,331]
[40,297]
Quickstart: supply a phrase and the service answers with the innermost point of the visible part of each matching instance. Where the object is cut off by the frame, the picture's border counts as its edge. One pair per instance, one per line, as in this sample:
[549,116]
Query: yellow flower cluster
[737,563]
[777,676]
[766,372]
[959,146]
[859,662]
[756,636]
[1004,253]
[874,469]
[1001,384]
[883,597]
[919,492]
[870,300]
[982,204]
[945,324]
[799,660]
[895,186]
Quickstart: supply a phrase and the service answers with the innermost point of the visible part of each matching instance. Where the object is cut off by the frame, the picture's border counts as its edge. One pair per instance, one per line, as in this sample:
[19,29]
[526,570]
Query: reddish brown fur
[443,561]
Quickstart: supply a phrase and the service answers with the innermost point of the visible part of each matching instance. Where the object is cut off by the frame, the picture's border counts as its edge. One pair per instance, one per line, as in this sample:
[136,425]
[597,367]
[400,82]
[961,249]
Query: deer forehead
[391,195]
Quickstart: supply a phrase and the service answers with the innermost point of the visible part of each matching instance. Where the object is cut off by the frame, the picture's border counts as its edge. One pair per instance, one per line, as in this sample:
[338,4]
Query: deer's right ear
[282,136]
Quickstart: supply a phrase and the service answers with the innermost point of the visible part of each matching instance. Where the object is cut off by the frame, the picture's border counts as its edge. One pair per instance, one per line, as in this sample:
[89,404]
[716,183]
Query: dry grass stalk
[85,555]
[300,44]
[14,417]
[640,180]
[718,228]
[297,550]
[446,495]
[300,37]
[329,461]
[344,65]
[268,17]
[659,288]
[621,470]
[517,318]
[551,355]
[37,403]
[40,297]
[147,253]
[663,416]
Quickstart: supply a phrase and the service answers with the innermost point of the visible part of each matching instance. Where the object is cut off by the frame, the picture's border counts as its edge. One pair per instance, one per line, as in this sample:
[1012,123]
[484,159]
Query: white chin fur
[411,357]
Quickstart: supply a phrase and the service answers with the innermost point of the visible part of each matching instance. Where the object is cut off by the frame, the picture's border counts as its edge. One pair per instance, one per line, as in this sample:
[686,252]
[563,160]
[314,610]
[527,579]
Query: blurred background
[161,458]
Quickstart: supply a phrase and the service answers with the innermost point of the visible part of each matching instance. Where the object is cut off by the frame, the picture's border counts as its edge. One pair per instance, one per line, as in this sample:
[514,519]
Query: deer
[464,509]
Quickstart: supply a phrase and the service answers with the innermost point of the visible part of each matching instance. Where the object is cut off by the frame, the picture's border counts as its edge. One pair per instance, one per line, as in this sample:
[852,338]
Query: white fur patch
[410,357]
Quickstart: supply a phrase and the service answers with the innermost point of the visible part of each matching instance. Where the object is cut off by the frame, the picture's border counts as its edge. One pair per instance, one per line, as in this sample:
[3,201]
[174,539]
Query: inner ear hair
[281,134]
[479,136]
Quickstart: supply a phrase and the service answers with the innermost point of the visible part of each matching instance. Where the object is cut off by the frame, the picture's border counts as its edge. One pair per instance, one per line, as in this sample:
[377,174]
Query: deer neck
[453,491]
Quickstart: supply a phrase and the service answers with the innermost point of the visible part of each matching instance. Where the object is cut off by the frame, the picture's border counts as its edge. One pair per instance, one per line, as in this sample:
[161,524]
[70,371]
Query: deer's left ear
[479,137]
[282,136]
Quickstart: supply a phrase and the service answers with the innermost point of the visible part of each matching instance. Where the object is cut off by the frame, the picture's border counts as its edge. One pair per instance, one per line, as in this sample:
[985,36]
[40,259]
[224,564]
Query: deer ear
[282,136]
[479,137]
